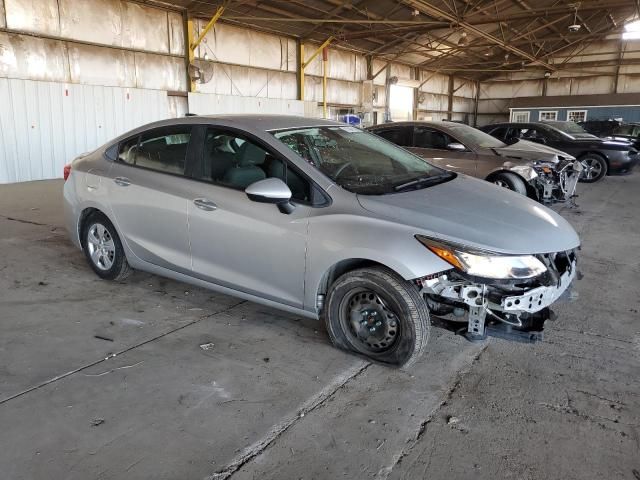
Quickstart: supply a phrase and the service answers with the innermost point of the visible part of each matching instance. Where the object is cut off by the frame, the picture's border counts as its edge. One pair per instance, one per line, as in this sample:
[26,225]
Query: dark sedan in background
[614,130]
[598,156]
[537,171]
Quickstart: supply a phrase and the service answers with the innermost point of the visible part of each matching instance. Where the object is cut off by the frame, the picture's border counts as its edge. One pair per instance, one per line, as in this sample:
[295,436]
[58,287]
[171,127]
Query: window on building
[548,116]
[520,117]
[577,115]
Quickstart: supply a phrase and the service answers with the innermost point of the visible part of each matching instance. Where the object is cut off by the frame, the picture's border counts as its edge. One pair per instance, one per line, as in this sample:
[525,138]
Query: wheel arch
[85,214]
[531,191]
[593,152]
[343,266]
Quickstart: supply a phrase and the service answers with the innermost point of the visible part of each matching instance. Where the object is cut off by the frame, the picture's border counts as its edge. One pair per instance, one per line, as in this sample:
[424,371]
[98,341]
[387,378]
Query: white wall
[44,125]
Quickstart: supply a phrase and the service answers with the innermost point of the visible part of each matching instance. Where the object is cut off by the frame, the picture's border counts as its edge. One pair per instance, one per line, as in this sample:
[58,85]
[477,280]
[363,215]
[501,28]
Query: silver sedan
[323,220]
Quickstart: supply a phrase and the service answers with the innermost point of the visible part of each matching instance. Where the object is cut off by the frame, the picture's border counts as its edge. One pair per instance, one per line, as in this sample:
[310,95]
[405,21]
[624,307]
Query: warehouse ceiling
[474,38]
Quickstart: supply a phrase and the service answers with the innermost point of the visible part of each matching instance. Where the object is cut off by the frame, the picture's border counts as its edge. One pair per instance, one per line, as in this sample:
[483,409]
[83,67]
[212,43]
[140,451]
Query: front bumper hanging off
[511,311]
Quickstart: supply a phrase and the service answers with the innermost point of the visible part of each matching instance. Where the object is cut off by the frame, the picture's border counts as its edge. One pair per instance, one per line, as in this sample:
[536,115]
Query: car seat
[247,171]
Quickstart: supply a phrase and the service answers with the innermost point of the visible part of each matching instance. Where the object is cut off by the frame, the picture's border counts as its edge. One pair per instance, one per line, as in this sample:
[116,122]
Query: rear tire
[511,181]
[103,249]
[594,168]
[376,313]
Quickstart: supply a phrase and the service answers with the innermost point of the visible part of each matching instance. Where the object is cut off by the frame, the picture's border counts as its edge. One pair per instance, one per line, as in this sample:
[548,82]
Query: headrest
[250,154]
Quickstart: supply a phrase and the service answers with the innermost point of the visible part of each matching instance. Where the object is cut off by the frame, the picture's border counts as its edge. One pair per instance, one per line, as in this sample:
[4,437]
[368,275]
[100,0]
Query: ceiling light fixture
[576,26]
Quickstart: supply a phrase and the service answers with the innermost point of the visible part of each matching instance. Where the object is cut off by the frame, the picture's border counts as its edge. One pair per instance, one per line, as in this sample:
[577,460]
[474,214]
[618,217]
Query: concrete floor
[271,399]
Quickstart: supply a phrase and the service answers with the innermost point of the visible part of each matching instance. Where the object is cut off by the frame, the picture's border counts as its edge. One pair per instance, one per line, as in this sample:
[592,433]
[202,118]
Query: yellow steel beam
[304,64]
[208,27]
[317,51]
[191,52]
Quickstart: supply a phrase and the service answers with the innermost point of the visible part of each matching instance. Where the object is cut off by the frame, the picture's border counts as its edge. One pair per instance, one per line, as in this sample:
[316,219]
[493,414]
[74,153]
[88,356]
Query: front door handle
[204,204]
[122,181]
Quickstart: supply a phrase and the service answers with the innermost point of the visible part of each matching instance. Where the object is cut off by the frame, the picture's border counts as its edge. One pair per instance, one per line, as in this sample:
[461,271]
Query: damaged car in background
[537,171]
[323,220]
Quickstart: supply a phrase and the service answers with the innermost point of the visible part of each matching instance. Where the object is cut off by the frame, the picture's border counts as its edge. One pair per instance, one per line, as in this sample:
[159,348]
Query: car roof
[408,123]
[246,122]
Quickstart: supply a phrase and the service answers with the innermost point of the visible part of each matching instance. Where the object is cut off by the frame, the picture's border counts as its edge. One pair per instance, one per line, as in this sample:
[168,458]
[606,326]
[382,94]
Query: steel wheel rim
[501,183]
[369,323]
[101,247]
[592,168]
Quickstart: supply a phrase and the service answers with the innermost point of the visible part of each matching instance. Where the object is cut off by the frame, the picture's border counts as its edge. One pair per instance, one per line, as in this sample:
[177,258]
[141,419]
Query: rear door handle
[204,204]
[122,181]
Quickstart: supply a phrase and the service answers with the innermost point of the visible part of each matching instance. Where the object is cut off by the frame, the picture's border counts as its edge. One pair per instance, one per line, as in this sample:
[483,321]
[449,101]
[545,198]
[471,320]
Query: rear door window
[424,137]
[163,150]
[400,135]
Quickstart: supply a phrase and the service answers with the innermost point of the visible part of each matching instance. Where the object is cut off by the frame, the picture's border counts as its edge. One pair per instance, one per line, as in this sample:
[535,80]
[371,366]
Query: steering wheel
[341,169]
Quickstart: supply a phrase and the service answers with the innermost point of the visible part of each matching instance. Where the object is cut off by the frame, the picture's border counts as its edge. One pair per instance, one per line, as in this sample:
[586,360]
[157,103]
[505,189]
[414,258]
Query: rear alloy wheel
[376,313]
[103,248]
[594,167]
[510,181]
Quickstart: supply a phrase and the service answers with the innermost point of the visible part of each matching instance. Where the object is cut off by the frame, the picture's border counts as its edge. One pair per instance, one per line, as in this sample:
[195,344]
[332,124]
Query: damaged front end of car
[556,182]
[498,295]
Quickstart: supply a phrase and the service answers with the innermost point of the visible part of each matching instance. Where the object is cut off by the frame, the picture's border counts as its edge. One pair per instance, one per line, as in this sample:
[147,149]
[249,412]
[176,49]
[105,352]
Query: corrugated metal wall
[206,103]
[149,43]
[496,94]
[44,125]
[98,50]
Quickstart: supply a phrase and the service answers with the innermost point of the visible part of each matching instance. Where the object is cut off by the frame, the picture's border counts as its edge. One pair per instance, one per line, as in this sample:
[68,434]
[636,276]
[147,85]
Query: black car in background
[614,130]
[598,156]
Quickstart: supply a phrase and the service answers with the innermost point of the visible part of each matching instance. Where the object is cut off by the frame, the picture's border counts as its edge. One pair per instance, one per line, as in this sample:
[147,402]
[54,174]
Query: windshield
[467,134]
[625,130]
[568,127]
[360,161]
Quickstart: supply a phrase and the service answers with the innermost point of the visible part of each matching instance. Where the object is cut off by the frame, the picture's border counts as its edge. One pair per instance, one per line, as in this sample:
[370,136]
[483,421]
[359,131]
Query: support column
[450,102]
[475,107]
[324,81]
[300,70]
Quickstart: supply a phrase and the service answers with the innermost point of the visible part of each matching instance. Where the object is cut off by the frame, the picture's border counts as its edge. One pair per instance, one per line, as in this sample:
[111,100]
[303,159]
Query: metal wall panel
[97,21]
[248,82]
[101,66]
[145,28]
[558,86]
[159,72]
[39,16]
[176,33]
[377,65]
[209,104]
[24,56]
[434,82]
[44,125]
[240,46]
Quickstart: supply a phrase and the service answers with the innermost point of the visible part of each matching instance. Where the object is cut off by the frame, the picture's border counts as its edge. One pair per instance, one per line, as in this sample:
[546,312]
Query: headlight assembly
[525,171]
[486,264]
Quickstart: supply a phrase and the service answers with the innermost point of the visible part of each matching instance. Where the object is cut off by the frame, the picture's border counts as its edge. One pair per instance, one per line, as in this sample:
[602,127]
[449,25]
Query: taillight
[66,172]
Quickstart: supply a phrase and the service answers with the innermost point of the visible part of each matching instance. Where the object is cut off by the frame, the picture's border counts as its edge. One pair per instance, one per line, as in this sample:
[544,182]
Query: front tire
[511,181]
[376,313]
[103,249]
[594,168]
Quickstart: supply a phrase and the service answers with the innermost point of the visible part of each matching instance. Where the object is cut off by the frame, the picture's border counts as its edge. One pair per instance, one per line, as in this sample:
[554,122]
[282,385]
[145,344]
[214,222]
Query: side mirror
[457,147]
[271,190]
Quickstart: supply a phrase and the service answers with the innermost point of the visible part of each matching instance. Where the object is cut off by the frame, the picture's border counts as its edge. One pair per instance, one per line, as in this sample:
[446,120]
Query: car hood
[478,214]
[528,151]
[601,143]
